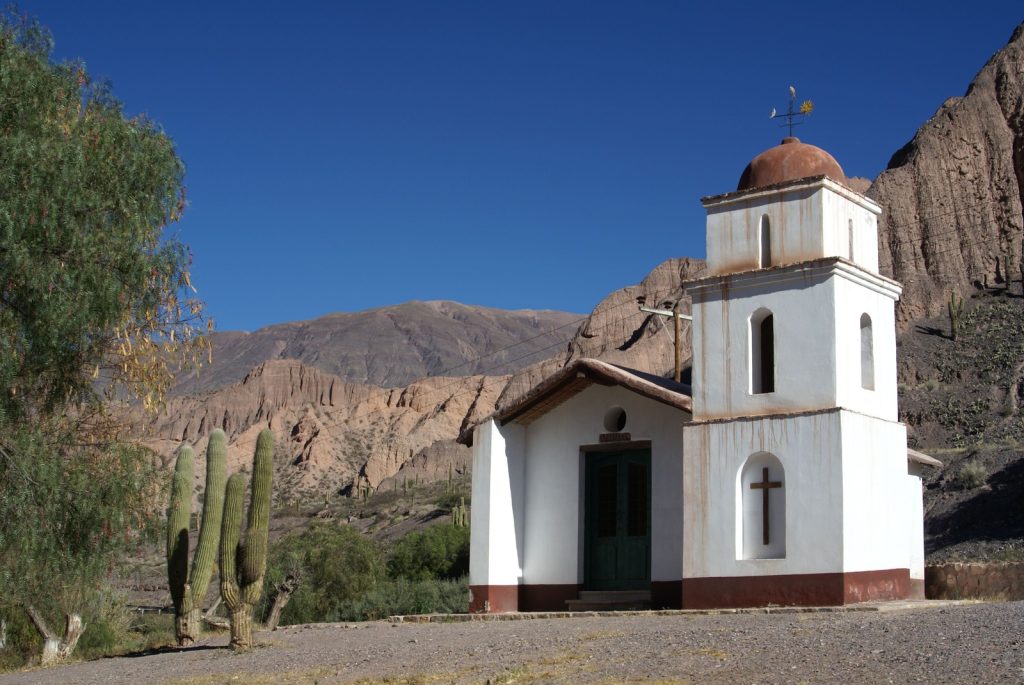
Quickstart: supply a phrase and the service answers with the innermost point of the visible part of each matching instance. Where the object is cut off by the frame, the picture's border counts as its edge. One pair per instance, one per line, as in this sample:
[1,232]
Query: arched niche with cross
[761,508]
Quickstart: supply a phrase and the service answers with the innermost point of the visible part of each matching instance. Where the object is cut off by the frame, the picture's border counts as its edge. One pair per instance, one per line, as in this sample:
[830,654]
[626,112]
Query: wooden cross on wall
[764,486]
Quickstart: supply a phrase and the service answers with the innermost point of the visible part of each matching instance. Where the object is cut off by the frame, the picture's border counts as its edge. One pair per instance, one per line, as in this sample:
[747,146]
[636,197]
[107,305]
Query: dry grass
[602,635]
[319,676]
[288,678]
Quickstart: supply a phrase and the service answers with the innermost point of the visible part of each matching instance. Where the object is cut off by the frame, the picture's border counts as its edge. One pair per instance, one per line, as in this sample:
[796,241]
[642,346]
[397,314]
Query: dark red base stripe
[666,594]
[811,589]
[493,599]
[546,597]
[875,586]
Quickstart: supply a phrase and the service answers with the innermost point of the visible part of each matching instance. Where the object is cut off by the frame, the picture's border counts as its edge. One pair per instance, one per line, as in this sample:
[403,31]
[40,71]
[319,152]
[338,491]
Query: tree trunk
[3,633]
[186,627]
[284,593]
[241,627]
[215,621]
[56,649]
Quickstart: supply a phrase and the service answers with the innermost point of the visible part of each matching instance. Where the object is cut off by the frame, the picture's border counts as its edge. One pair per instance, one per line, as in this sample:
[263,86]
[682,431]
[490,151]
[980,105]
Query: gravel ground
[935,643]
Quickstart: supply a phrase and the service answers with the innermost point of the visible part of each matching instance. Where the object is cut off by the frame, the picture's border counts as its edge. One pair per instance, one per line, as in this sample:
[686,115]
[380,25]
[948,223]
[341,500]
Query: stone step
[610,600]
[615,595]
[580,605]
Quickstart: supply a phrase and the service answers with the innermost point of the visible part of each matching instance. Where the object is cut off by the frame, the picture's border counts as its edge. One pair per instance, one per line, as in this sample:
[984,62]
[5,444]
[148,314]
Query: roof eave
[923,459]
[567,381]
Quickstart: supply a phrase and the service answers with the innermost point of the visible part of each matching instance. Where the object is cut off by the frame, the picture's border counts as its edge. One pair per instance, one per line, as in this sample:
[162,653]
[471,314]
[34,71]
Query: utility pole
[677,317]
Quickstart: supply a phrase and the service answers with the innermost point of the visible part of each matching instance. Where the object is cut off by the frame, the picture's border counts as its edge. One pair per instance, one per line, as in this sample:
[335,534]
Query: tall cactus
[460,514]
[178,515]
[955,308]
[188,586]
[243,564]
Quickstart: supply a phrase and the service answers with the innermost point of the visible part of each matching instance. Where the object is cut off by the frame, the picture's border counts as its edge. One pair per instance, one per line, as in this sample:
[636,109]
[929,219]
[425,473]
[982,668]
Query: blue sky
[518,154]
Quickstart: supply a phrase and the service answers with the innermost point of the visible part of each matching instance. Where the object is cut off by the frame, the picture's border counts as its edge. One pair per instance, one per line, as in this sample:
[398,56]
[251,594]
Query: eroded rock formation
[335,436]
[330,434]
[952,196]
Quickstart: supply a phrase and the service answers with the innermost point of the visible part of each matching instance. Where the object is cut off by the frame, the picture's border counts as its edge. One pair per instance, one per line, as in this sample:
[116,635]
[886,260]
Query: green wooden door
[617,521]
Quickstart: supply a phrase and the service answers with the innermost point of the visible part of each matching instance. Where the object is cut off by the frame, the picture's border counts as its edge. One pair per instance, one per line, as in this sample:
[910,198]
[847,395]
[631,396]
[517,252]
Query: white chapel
[780,476]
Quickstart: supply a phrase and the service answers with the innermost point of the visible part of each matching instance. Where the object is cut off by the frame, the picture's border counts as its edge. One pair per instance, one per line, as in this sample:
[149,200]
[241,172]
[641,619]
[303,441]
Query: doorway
[617,520]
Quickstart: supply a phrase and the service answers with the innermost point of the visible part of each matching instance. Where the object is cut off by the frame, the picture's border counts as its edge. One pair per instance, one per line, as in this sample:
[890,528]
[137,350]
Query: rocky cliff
[332,435]
[336,436]
[952,196]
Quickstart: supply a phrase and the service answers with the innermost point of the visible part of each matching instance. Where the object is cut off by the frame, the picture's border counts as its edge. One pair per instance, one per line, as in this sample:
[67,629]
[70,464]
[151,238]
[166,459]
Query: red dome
[787,162]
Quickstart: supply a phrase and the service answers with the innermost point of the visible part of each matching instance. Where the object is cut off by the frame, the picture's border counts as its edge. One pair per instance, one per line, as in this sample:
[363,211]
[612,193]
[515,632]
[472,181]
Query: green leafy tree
[439,552]
[401,597]
[334,564]
[95,304]
[65,523]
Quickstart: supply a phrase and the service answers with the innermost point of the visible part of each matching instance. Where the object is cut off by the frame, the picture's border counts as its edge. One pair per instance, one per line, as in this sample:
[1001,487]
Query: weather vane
[806,107]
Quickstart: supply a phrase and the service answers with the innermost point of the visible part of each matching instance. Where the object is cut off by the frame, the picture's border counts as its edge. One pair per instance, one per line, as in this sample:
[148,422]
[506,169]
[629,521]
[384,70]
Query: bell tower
[795,462]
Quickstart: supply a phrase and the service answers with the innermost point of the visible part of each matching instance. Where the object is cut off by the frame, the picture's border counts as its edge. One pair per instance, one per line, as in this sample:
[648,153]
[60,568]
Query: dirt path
[936,644]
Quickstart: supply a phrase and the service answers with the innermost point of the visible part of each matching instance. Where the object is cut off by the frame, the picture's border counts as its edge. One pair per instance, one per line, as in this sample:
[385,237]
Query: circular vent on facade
[615,420]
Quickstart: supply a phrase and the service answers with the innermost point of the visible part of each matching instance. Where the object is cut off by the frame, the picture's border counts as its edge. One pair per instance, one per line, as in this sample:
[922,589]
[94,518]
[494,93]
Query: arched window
[761,508]
[850,237]
[867,354]
[764,243]
[762,352]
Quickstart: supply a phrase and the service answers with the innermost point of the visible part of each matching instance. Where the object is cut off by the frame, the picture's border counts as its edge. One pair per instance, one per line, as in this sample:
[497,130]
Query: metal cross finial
[805,108]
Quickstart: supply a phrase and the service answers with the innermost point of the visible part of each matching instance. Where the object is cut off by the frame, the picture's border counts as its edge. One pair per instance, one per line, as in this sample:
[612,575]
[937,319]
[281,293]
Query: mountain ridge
[384,345]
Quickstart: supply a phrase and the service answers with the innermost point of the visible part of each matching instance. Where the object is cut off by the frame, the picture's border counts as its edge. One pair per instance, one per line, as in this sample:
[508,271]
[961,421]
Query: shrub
[154,631]
[440,552]
[971,475]
[450,500]
[110,630]
[102,637]
[334,564]
[22,639]
[399,597]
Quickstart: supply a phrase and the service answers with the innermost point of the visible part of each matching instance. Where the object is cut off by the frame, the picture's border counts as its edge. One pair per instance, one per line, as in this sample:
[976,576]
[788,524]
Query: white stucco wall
[496,526]
[854,298]
[816,312]
[807,222]
[809,448]
[841,211]
[875,494]
[915,521]
[847,499]
[553,503]
[527,509]
[805,364]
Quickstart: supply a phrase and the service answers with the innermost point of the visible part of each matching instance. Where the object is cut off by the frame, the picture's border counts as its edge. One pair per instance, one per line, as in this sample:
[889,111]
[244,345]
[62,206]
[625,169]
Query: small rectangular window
[867,354]
[764,246]
[762,352]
